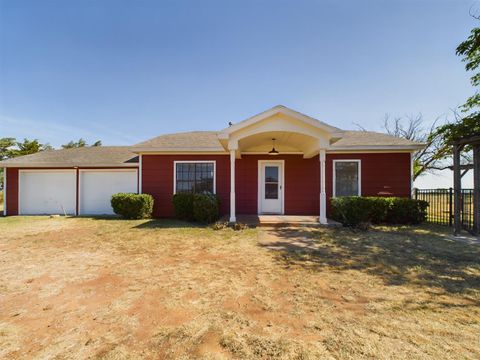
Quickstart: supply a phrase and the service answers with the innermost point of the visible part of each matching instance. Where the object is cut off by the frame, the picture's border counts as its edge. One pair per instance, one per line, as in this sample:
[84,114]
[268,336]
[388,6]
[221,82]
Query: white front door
[270,187]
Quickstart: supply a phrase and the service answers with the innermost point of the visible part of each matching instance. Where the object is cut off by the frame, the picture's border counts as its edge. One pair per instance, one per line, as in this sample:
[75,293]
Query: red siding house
[277,162]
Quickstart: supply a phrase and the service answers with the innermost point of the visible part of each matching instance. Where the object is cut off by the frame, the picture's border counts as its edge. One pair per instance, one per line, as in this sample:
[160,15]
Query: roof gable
[279,109]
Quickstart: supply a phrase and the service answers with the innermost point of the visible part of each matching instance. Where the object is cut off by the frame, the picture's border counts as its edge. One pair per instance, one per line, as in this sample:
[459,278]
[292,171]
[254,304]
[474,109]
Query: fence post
[416,193]
[450,206]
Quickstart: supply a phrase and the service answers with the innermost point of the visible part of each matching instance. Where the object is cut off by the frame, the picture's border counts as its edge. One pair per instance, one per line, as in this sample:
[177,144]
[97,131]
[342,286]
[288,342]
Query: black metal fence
[441,207]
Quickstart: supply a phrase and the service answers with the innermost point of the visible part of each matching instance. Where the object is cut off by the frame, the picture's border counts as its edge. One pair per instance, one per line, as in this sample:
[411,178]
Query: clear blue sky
[125,71]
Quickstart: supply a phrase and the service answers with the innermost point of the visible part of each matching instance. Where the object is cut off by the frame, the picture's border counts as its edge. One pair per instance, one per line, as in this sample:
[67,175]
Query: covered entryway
[278,131]
[98,186]
[47,192]
[271,187]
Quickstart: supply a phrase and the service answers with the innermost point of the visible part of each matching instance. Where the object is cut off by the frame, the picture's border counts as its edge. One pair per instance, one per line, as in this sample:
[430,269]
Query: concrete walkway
[287,238]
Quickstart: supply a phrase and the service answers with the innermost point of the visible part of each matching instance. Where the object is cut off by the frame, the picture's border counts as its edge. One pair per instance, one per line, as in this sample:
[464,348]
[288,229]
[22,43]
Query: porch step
[282,220]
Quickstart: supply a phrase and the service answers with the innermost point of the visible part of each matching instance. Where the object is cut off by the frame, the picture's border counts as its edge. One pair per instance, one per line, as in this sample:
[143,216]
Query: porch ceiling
[285,142]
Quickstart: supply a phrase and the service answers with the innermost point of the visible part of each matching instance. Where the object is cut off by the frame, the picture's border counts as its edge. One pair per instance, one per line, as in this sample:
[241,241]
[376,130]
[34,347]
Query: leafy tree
[9,148]
[80,143]
[6,145]
[468,125]
[75,144]
[27,147]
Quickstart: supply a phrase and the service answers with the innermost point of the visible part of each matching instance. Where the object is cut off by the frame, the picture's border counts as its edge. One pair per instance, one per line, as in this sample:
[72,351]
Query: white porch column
[232,186]
[323,194]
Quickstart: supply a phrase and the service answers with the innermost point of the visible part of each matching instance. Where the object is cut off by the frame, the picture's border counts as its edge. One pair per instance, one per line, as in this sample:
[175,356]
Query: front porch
[279,155]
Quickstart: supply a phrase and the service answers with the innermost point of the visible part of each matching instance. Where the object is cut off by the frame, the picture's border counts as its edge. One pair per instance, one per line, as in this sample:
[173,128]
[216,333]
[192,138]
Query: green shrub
[206,208]
[183,206]
[406,211]
[132,206]
[355,211]
[351,210]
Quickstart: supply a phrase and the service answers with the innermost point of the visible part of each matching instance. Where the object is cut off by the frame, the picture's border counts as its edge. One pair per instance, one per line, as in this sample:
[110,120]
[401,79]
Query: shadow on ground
[145,223]
[421,256]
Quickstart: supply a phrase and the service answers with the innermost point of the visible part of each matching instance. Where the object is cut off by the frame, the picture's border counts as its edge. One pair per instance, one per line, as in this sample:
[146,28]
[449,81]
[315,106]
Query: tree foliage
[10,147]
[468,125]
[80,143]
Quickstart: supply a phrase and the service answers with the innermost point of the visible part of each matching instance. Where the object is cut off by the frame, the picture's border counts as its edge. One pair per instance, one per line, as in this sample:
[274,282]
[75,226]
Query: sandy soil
[111,289]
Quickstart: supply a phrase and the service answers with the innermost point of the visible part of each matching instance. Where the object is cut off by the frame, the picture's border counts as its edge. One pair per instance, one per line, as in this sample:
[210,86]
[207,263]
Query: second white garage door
[98,186]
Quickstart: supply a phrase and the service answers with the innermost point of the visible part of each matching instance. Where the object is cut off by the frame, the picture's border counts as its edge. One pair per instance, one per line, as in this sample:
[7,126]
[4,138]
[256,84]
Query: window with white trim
[346,178]
[195,177]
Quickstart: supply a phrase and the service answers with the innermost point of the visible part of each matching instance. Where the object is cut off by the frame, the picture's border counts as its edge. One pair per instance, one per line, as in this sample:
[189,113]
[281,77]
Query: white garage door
[98,186]
[47,192]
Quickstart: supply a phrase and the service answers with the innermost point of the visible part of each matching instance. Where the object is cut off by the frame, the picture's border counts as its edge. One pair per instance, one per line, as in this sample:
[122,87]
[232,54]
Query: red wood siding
[157,180]
[383,174]
[12,191]
[302,190]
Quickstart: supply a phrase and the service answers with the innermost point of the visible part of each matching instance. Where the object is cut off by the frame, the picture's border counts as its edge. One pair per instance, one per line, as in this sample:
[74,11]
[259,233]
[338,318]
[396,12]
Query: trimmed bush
[351,210]
[183,206]
[206,208]
[355,211]
[132,206]
[406,211]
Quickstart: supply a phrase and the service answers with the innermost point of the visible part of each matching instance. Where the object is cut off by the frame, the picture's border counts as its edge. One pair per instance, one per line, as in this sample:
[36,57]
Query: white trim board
[5,191]
[140,175]
[259,184]
[359,174]
[175,162]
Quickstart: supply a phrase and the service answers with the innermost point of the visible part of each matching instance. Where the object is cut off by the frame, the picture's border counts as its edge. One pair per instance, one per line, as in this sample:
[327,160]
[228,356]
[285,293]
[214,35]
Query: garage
[47,192]
[97,187]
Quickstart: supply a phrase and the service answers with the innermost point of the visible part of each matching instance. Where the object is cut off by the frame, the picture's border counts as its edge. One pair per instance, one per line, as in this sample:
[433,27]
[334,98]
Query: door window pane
[271,173]
[346,178]
[271,191]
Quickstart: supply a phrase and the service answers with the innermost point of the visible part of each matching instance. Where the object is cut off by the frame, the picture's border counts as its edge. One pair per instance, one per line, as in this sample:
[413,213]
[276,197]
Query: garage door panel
[97,188]
[47,192]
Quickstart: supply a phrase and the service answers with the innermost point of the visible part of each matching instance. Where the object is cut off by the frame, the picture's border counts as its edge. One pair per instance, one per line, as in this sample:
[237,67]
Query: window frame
[194,162]
[359,180]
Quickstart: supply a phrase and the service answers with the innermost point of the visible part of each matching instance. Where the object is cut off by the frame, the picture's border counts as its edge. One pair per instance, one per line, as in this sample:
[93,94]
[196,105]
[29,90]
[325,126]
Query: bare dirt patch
[112,289]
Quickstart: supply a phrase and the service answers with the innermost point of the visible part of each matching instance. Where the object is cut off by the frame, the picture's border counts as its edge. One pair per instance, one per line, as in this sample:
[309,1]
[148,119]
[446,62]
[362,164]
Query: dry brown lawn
[113,289]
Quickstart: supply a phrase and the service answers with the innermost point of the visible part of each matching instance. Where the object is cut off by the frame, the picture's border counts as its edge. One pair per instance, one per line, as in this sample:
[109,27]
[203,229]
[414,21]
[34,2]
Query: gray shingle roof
[370,138]
[120,156]
[194,141]
[208,141]
[185,141]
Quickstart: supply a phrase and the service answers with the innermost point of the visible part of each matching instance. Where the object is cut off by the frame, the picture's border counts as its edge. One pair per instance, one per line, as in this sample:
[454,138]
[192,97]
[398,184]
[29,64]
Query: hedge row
[355,210]
[204,208]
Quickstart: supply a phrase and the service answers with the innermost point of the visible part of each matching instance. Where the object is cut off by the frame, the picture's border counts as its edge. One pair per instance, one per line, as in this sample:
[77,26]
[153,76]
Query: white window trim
[214,162]
[359,174]
[260,181]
